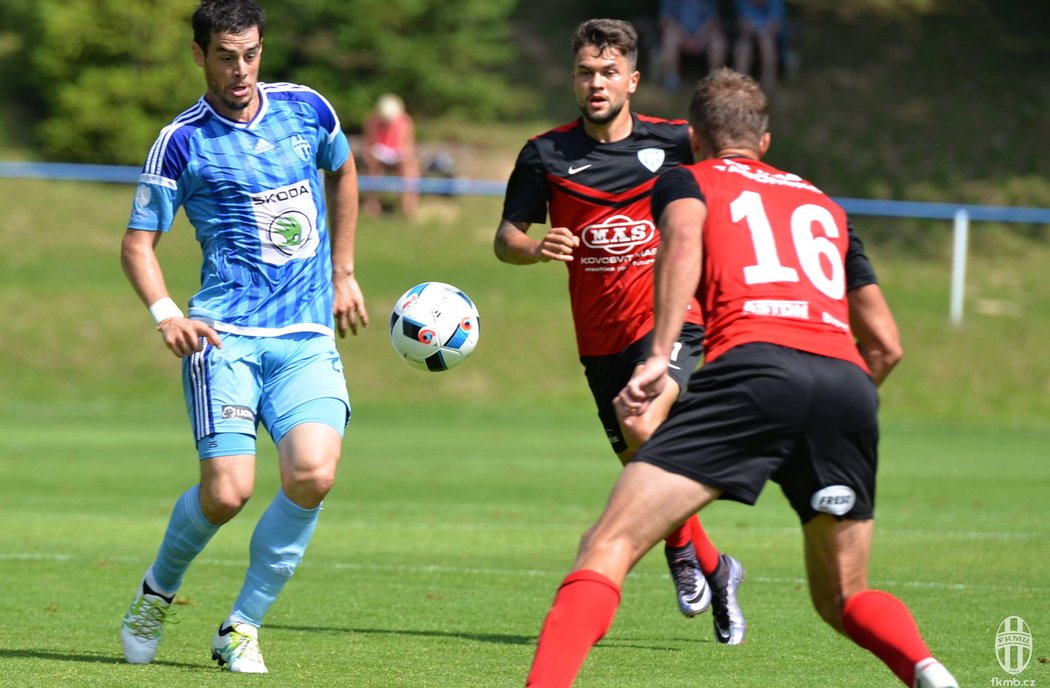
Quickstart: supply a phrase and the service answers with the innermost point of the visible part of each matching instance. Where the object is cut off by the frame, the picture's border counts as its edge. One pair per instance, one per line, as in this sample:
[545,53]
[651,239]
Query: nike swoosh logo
[574,170]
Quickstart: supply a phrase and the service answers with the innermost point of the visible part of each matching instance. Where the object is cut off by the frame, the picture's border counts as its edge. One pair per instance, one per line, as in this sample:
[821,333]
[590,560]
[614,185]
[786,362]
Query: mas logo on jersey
[836,500]
[286,219]
[618,235]
[652,158]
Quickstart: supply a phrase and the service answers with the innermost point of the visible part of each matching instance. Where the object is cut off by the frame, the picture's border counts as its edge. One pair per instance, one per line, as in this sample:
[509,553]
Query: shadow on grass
[496,638]
[88,658]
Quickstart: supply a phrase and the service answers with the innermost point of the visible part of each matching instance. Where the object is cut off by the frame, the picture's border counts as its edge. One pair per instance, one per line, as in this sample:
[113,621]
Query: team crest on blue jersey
[142,196]
[652,158]
[302,148]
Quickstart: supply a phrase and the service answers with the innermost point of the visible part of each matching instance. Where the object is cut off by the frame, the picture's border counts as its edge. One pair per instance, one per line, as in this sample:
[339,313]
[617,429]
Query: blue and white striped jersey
[253,193]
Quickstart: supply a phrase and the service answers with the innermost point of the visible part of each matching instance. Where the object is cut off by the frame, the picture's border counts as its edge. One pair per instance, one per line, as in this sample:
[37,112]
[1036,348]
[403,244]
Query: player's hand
[349,306]
[184,336]
[645,384]
[558,244]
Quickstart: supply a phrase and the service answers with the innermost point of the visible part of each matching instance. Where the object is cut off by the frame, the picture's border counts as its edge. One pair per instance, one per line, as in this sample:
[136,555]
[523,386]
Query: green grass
[462,495]
[448,531]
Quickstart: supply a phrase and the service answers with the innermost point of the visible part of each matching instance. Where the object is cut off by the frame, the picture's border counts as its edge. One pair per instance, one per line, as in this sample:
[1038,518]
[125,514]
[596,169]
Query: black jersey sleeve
[859,270]
[527,191]
[672,185]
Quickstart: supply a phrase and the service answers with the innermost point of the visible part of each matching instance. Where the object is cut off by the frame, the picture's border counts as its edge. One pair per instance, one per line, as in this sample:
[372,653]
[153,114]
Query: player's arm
[871,320]
[341,194]
[513,245]
[875,329]
[675,277]
[138,257]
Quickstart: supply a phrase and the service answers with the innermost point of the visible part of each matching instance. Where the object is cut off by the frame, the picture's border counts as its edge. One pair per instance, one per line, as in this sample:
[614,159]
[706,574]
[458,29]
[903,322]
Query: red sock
[680,536]
[882,625]
[706,553]
[582,612]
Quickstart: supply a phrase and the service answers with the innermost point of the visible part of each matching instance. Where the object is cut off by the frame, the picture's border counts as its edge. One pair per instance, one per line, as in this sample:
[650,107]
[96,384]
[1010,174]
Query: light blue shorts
[278,381]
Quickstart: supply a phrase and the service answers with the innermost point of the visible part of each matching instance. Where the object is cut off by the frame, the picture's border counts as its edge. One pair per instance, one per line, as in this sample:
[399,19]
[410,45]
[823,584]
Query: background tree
[101,77]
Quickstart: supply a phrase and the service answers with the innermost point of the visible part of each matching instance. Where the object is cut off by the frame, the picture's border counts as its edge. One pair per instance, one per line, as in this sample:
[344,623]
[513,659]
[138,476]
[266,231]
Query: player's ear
[632,84]
[198,54]
[696,144]
[763,144]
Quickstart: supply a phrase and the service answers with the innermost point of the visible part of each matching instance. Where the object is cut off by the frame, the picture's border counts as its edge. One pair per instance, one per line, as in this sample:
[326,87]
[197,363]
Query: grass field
[447,534]
[462,495]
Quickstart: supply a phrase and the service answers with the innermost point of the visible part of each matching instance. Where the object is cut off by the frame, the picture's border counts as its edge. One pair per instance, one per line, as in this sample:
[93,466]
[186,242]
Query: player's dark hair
[729,110]
[225,16]
[608,33]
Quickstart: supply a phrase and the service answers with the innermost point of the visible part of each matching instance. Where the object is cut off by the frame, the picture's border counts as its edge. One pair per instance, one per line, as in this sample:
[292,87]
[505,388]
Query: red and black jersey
[778,258]
[600,191]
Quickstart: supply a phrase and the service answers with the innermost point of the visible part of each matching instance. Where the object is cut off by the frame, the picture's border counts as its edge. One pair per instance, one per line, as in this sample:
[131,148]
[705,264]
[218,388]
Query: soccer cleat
[236,648]
[729,623]
[143,623]
[929,673]
[694,596]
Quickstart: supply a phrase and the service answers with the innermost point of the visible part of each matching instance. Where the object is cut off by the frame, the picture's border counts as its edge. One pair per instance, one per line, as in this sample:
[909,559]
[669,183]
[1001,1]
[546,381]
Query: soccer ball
[434,326]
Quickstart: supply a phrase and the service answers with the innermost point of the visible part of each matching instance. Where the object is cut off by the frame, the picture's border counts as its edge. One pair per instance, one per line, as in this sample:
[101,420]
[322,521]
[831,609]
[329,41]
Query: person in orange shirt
[390,146]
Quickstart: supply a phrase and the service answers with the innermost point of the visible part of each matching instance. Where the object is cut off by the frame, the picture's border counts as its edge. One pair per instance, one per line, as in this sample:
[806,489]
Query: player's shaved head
[729,110]
[225,16]
[604,34]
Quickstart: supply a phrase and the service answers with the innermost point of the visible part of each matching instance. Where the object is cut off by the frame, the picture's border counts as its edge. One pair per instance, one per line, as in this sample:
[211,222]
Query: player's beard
[612,114]
[236,105]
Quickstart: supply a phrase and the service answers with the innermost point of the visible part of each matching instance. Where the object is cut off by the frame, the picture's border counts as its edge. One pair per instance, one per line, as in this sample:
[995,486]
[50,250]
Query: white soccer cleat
[729,623]
[143,624]
[236,648]
[694,596]
[929,673]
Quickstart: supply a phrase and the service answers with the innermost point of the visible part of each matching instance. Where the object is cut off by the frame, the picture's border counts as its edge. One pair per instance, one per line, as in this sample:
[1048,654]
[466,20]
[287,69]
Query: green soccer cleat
[236,648]
[143,623]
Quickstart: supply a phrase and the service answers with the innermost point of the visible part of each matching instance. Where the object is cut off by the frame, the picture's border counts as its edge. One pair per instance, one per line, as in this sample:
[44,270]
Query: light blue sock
[188,532]
[277,547]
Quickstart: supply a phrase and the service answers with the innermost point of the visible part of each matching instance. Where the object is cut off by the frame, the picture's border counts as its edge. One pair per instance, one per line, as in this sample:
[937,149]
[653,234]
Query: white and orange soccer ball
[434,326]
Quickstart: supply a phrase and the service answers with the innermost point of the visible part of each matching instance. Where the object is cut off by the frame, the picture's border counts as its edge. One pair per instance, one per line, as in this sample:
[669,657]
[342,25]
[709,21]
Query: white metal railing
[960,214]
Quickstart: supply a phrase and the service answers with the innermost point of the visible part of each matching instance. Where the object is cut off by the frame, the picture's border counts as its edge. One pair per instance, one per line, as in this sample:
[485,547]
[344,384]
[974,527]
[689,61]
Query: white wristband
[163,309]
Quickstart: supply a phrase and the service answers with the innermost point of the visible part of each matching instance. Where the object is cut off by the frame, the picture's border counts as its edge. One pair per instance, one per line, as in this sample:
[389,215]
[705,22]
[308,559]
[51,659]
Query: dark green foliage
[104,75]
[442,57]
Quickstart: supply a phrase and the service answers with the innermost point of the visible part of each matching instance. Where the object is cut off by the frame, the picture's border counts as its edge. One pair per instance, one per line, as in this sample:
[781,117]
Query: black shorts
[607,375]
[763,411]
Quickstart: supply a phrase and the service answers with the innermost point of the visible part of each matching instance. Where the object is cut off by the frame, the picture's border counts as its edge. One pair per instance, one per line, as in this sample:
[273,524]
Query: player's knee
[222,504]
[308,486]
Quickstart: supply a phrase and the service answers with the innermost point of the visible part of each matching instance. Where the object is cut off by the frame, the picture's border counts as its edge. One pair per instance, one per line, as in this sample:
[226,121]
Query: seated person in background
[693,27]
[390,146]
[759,22]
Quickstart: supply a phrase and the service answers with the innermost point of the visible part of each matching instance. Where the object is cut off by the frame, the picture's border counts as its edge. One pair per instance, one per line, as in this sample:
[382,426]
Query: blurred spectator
[761,23]
[390,146]
[691,27]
